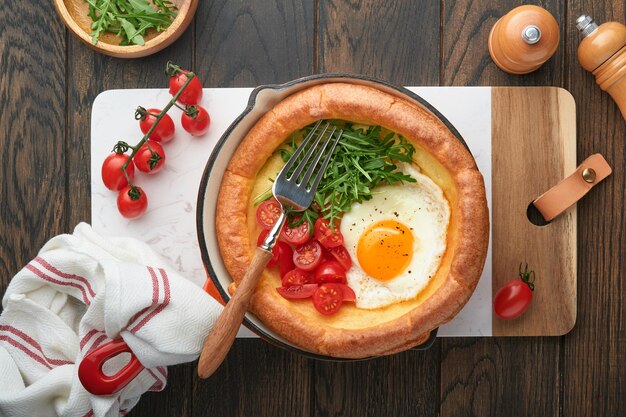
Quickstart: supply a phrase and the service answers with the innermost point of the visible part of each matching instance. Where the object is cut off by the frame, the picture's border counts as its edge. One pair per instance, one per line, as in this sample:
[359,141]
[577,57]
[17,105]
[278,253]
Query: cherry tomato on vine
[163,132]
[192,93]
[513,299]
[132,202]
[196,121]
[150,161]
[112,174]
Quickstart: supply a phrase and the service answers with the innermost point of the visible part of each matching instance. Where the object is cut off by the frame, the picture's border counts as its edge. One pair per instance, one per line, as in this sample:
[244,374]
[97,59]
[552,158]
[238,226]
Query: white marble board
[169,226]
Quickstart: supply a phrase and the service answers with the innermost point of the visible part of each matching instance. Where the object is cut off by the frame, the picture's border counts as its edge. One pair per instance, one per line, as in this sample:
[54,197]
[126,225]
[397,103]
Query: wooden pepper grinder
[522,40]
[603,53]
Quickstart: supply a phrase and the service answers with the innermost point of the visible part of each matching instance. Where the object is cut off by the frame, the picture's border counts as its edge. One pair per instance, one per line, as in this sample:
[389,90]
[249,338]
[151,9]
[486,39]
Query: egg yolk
[385,249]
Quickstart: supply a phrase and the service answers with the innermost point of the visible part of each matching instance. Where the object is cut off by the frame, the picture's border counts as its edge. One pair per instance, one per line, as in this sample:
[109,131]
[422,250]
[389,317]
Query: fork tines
[319,142]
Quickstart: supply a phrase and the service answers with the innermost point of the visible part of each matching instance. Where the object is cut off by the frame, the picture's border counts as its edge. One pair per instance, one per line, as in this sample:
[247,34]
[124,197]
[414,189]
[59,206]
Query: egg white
[423,208]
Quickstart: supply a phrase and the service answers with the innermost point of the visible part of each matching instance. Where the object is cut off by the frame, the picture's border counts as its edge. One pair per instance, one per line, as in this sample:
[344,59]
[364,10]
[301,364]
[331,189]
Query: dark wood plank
[174,400]
[465,56]
[495,376]
[89,74]
[405,384]
[244,44]
[397,41]
[595,351]
[500,377]
[32,132]
[257,379]
[380,39]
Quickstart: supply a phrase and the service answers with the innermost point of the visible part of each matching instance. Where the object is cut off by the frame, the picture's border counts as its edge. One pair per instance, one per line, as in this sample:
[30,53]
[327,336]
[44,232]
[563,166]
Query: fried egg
[396,240]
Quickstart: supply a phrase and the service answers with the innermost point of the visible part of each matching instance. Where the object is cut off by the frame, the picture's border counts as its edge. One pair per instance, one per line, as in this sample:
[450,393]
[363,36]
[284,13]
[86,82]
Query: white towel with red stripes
[82,291]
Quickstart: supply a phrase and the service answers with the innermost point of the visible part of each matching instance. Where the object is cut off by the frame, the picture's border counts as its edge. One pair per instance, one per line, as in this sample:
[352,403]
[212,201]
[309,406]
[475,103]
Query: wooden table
[48,81]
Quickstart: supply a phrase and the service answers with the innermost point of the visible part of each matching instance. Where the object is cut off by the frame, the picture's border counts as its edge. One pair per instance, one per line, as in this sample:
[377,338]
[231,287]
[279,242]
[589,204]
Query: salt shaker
[523,39]
[603,53]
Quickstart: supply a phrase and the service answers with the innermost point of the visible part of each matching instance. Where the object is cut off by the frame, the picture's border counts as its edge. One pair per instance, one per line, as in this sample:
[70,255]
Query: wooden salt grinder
[522,40]
[603,53]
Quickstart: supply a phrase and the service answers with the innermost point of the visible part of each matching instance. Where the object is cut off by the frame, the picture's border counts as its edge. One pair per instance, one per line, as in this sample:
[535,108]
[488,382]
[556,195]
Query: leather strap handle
[571,189]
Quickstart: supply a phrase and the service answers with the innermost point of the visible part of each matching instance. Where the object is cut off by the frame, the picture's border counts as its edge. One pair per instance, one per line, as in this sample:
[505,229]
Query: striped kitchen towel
[84,290]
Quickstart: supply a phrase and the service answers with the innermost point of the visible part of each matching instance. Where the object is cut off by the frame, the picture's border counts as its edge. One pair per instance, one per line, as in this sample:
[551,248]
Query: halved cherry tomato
[328,298]
[308,256]
[112,175]
[163,132]
[325,234]
[297,291]
[340,253]
[267,213]
[297,235]
[297,277]
[330,271]
[348,293]
[282,254]
[193,91]
[513,299]
[285,257]
[149,160]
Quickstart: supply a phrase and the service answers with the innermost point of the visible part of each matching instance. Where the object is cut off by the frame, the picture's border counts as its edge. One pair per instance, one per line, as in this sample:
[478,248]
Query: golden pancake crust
[352,332]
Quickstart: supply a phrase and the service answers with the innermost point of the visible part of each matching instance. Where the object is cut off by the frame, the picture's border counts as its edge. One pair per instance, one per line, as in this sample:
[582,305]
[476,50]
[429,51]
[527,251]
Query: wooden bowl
[74,15]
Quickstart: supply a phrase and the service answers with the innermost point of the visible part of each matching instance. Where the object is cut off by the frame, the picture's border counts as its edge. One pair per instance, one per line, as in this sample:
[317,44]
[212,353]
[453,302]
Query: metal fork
[294,190]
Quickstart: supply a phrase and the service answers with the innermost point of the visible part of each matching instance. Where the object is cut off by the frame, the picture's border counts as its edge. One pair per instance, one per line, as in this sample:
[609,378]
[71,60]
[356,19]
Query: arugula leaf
[129,19]
[131,32]
[362,160]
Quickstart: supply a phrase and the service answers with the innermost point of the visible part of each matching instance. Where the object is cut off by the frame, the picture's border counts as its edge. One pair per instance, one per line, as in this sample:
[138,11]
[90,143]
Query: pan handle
[93,378]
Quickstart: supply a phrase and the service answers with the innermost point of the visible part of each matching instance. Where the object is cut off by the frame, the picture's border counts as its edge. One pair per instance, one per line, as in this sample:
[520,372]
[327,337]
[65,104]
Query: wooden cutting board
[533,139]
[528,147]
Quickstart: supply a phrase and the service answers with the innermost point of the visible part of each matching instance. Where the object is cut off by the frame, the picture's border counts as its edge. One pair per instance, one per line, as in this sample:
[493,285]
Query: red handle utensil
[93,378]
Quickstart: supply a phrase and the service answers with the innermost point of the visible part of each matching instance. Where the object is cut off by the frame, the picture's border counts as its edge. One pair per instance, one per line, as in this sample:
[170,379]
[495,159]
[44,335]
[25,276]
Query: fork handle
[221,338]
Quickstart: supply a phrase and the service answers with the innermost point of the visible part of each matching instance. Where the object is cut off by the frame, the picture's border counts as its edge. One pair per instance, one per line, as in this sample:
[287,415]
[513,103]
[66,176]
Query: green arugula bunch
[129,19]
[362,159]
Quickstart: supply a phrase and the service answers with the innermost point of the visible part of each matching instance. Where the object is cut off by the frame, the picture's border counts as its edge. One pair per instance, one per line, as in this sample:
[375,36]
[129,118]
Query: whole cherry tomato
[112,174]
[163,132]
[193,91]
[132,202]
[150,157]
[513,299]
[195,121]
